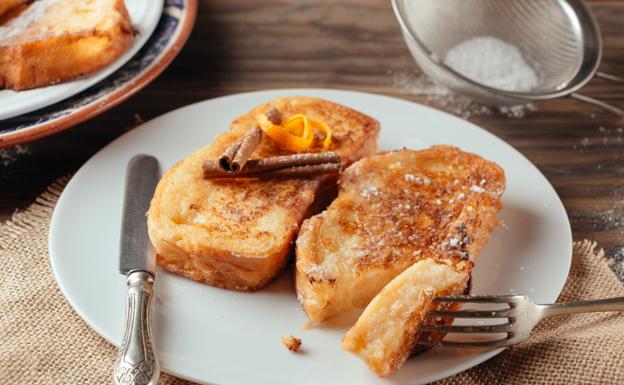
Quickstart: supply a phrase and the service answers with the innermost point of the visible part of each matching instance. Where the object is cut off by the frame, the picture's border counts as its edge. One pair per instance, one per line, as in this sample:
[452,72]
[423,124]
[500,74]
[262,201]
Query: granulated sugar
[417,84]
[617,263]
[485,59]
[493,62]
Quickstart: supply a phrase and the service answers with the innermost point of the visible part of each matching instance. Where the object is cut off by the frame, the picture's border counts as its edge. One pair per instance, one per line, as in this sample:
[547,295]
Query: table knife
[137,359]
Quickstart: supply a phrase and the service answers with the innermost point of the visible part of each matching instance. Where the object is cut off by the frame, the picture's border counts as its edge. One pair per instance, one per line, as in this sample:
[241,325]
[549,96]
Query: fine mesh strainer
[560,39]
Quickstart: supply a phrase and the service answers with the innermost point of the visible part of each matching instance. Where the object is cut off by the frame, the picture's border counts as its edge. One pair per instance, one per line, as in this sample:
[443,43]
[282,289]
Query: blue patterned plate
[168,37]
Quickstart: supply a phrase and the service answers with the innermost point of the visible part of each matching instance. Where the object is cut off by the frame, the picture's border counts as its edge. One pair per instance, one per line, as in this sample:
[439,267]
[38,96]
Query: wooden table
[243,45]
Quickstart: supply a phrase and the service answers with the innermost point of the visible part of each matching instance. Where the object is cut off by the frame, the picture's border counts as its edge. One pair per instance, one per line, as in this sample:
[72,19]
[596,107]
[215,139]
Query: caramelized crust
[237,233]
[51,41]
[393,209]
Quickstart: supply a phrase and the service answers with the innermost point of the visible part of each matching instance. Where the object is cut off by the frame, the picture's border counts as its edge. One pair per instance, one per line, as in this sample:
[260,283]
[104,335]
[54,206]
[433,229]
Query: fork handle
[598,305]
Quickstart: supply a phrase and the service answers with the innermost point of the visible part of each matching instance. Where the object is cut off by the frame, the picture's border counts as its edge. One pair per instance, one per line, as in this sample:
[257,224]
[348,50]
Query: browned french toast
[394,209]
[238,233]
[51,41]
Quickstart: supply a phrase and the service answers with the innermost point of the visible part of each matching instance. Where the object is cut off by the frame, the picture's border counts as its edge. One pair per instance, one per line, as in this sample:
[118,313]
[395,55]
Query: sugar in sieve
[560,39]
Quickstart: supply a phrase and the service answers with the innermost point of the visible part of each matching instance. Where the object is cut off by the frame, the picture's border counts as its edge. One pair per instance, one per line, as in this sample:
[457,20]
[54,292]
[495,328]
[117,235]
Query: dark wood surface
[243,45]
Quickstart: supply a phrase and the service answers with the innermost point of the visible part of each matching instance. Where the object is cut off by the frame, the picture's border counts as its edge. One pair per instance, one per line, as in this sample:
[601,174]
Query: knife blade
[135,249]
[137,359]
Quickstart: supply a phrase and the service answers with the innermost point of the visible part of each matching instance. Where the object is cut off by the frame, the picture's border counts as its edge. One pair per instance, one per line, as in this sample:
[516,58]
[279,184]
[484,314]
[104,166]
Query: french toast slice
[394,209]
[238,233]
[51,41]
[386,332]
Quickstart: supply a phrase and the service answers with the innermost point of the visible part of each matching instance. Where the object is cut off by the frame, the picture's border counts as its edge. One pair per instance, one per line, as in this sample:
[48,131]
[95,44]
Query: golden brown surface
[52,41]
[237,233]
[386,332]
[392,210]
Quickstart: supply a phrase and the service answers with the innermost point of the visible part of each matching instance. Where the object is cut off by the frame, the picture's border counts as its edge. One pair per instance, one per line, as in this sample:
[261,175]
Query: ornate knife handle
[136,362]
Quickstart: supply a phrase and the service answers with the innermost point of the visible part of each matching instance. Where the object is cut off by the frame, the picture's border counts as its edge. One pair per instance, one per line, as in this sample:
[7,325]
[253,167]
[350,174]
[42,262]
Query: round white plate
[223,337]
[144,15]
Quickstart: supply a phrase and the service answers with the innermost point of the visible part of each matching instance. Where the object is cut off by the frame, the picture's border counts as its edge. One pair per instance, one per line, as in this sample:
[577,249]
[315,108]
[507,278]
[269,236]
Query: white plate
[144,15]
[222,337]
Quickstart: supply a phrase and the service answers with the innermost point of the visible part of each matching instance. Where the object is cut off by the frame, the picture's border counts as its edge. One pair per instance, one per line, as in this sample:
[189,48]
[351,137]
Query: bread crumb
[292,343]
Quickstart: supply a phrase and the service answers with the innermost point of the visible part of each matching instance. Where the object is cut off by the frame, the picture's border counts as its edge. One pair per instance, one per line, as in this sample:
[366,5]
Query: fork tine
[478,298]
[469,344]
[467,313]
[502,328]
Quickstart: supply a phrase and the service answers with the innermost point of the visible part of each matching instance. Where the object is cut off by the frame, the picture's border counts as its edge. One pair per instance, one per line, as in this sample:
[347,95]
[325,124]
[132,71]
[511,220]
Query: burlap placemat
[42,340]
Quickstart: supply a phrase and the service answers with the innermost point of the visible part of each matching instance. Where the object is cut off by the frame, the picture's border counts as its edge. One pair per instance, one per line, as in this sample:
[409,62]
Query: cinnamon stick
[236,155]
[286,165]
[274,116]
[299,171]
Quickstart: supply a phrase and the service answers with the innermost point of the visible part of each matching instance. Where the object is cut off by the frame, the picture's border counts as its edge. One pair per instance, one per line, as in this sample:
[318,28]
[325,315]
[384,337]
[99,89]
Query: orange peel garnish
[296,133]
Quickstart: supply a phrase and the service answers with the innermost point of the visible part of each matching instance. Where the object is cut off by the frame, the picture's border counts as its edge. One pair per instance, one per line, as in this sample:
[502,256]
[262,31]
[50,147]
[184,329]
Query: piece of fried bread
[386,332]
[51,41]
[238,233]
[394,209]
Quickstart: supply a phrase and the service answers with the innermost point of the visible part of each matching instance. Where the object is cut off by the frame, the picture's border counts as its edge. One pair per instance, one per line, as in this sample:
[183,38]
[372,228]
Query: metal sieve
[560,39]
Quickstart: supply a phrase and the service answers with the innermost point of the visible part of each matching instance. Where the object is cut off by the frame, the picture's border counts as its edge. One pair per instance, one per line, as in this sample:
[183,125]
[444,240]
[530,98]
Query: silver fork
[521,313]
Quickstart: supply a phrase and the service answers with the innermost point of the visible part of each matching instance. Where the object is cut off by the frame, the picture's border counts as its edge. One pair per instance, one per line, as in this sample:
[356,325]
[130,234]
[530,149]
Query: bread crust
[237,233]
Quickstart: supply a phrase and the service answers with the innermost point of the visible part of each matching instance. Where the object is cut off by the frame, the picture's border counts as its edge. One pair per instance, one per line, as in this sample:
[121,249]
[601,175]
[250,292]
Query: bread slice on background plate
[394,209]
[238,233]
[50,41]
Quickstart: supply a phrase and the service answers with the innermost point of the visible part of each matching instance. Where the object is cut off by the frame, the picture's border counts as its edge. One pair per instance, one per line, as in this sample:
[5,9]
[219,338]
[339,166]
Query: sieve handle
[598,103]
[610,77]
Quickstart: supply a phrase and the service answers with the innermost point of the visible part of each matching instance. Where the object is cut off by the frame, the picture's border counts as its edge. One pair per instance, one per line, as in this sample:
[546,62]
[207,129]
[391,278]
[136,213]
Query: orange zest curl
[296,133]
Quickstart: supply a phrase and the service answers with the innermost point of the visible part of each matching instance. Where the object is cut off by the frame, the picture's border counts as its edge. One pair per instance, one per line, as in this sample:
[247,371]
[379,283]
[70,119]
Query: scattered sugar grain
[10,155]
[412,178]
[517,111]
[477,189]
[370,192]
[417,84]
